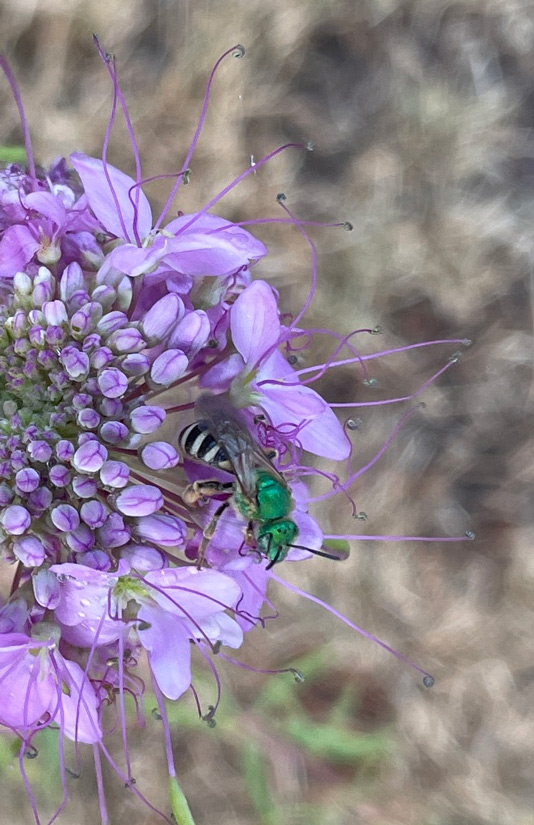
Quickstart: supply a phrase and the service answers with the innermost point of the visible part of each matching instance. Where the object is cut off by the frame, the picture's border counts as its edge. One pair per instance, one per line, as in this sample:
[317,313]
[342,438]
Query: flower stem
[179,805]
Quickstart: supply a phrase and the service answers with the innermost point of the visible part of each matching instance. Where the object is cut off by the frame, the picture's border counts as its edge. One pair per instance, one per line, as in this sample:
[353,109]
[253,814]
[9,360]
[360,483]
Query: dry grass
[422,111]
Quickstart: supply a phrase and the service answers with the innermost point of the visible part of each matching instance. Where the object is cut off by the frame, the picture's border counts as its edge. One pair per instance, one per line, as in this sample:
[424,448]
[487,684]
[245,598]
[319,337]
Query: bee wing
[232,435]
[231,432]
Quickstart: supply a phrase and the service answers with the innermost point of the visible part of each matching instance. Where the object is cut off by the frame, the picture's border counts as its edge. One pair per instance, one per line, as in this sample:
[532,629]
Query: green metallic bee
[220,438]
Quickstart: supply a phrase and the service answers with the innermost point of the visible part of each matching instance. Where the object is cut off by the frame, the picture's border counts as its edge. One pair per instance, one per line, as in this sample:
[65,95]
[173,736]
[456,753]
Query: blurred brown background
[422,111]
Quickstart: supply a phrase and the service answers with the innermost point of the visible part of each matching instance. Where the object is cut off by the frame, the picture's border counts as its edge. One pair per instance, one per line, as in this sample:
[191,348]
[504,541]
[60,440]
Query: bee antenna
[316,552]
[276,558]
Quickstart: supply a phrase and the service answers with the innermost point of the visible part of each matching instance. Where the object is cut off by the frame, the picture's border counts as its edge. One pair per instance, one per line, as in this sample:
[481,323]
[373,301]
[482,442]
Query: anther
[156,715]
[72,774]
[378,330]
[209,717]
[31,752]
[347,226]
[239,52]
[470,535]
[428,681]
[467,342]
[281,197]
[370,382]
[354,423]
[292,359]
[455,357]
[297,675]
[310,145]
[361,516]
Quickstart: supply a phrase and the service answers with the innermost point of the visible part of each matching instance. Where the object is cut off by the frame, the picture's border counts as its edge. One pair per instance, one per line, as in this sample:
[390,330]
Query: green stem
[180,808]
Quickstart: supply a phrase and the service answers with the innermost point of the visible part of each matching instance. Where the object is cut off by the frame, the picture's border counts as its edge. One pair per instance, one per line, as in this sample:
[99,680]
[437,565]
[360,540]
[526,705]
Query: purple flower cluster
[111,325]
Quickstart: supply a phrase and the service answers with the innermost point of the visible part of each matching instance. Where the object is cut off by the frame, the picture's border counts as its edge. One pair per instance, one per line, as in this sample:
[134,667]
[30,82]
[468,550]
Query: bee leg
[198,490]
[250,538]
[208,533]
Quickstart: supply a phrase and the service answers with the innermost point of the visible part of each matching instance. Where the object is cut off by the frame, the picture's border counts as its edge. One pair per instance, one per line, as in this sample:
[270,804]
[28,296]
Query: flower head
[112,324]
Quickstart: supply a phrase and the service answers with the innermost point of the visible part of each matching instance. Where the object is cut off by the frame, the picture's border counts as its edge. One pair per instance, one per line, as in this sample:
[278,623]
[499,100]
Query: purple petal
[39,451]
[64,450]
[29,551]
[115,474]
[40,499]
[159,455]
[254,322]
[71,281]
[198,593]
[192,333]
[27,480]
[168,367]
[169,652]
[28,685]
[100,184]
[46,589]
[59,476]
[127,340]
[88,419]
[93,513]
[85,604]
[136,363]
[147,419]
[111,322]
[221,375]
[167,531]
[79,707]
[15,519]
[143,558]
[139,500]
[133,260]
[322,434]
[253,583]
[112,382]
[65,518]
[48,205]
[81,540]
[160,318]
[210,246]
[97,560]
[114,432]
[17,248]
[90,457]
[84,487]
[113,533]
[76,363]
[55,313]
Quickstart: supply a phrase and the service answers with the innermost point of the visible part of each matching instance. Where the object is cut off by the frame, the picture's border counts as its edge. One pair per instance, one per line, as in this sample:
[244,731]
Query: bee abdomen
[198,443]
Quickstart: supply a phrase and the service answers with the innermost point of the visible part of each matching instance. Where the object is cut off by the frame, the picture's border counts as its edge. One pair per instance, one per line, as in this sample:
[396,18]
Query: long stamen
[361,631]
[236,181]
[313,249]
[22,116]
[352,405]
[111,66]
[237,51]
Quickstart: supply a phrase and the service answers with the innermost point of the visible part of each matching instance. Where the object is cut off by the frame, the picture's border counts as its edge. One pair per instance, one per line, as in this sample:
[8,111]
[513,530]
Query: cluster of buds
[111,325]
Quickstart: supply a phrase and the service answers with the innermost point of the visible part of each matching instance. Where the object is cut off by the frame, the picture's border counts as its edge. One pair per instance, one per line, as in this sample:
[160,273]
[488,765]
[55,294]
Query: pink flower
[40,686]
[185,604]
[261,376]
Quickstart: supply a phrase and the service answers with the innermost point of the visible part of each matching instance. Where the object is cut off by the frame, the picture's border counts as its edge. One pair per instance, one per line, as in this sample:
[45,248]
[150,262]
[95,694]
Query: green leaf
[12,154]
[255,779]
[336,743]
